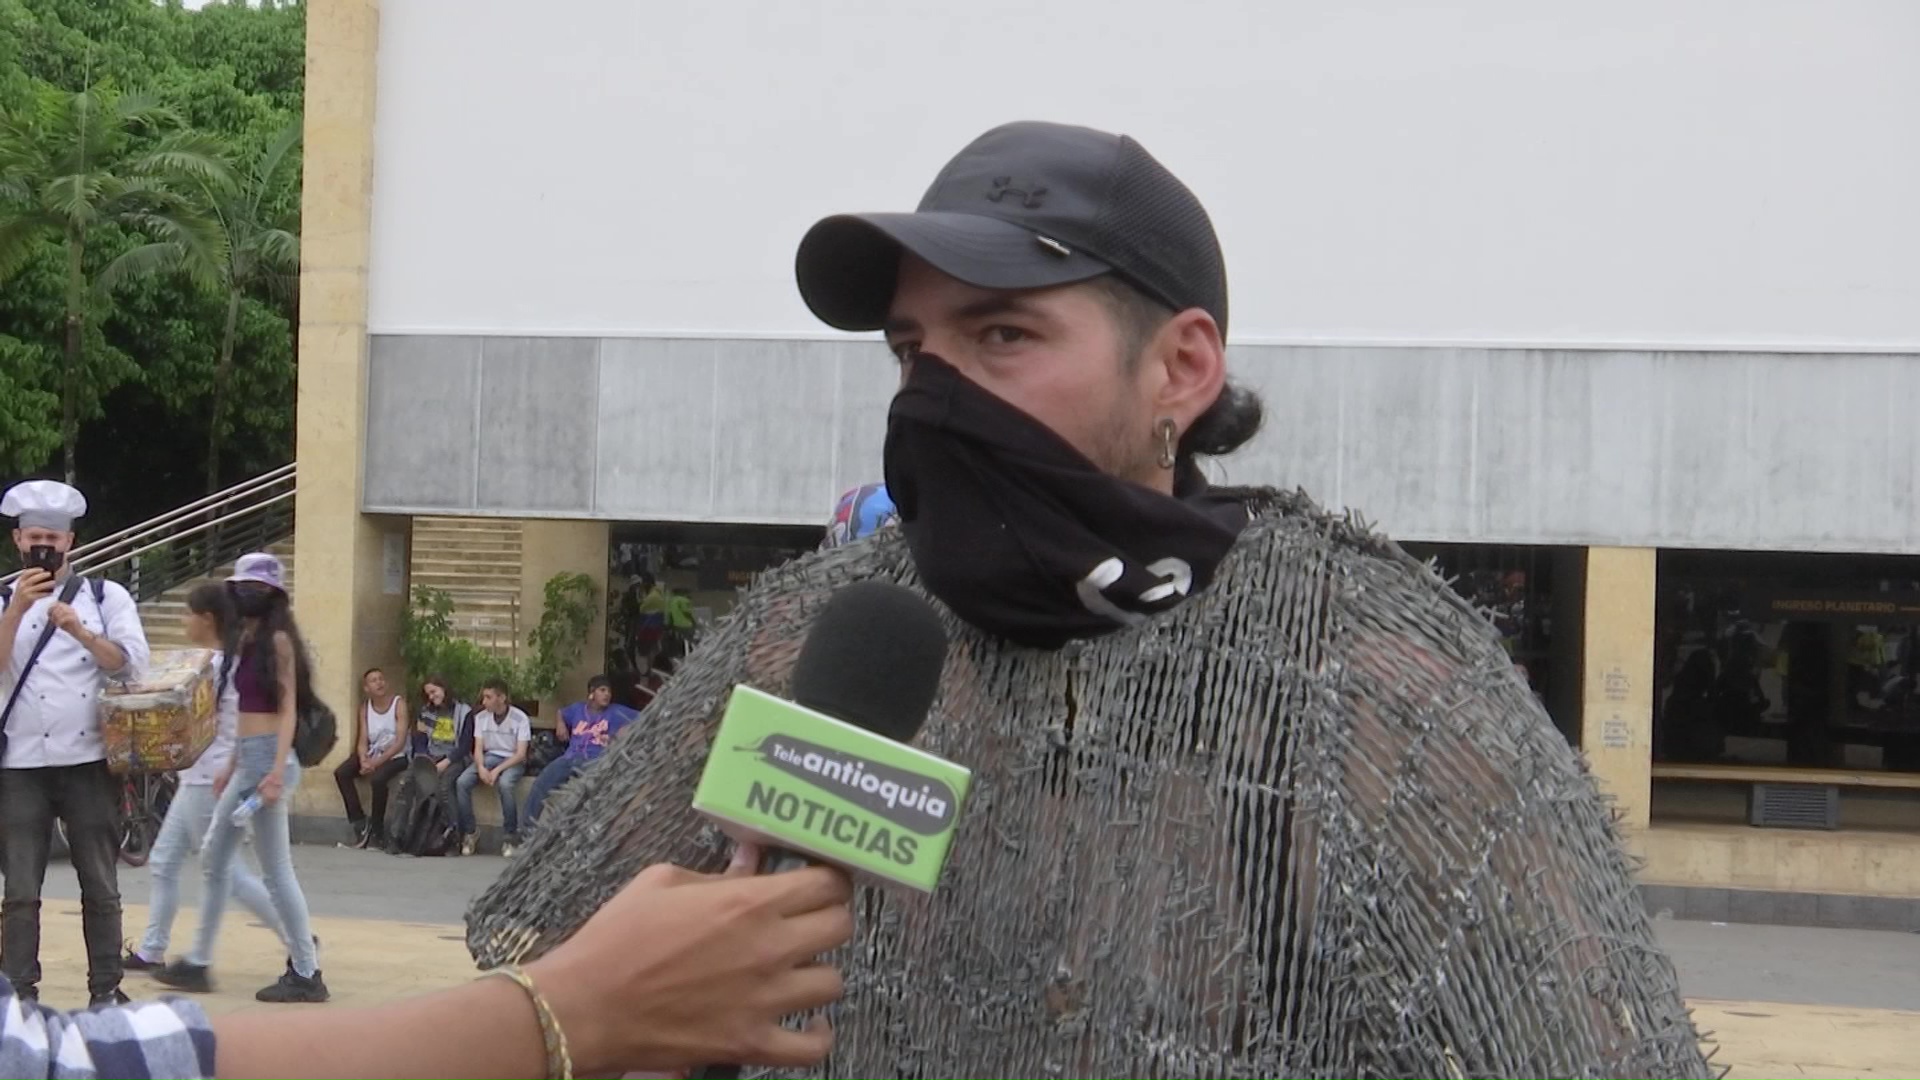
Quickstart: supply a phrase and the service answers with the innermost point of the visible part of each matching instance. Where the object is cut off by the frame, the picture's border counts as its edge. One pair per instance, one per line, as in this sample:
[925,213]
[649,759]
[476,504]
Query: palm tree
[261,250]
[71,163]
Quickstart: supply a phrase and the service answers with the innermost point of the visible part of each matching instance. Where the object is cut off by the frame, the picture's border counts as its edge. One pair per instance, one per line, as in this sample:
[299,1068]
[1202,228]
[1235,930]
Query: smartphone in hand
[44,557]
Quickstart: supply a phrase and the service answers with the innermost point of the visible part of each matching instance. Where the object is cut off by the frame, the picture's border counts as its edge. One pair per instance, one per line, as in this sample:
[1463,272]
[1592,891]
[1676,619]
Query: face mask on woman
[253,601]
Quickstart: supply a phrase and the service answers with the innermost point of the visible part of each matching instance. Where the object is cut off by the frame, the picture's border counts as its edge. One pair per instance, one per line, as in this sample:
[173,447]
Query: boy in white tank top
[380,755]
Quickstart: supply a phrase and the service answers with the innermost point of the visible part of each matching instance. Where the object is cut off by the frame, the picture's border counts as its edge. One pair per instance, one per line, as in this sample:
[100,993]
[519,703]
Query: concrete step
[497,555]
[490,612]
[495,599]
[477,563]
[473,554]
[493,610]
[455,582]
[486,530]
[460,562]
[164,615]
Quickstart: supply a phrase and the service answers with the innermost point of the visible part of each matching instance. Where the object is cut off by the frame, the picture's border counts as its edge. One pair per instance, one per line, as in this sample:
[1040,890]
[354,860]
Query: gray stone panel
[422,395]
[1655,449]
[868,375]
[538,421]
[775,431]
[657,428]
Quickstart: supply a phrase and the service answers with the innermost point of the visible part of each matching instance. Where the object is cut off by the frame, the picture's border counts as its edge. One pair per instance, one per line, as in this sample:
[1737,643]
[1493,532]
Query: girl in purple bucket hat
[270,672]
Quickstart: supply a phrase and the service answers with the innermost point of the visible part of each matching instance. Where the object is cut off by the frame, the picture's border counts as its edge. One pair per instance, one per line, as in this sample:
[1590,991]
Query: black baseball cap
[1028,205]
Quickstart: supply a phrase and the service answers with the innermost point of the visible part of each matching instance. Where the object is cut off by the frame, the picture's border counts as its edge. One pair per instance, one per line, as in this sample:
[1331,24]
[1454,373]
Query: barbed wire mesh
[1308,824]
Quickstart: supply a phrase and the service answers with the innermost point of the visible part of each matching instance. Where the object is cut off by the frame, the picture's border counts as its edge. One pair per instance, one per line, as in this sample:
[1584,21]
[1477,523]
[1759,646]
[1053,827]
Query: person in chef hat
[62,637]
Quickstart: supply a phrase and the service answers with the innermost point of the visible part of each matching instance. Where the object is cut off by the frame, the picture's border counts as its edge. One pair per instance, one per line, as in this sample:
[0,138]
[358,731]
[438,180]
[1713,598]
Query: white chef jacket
[57,719]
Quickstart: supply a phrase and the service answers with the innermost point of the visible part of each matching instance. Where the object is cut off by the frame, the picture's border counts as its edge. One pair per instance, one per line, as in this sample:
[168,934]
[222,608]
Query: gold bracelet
[559,1061]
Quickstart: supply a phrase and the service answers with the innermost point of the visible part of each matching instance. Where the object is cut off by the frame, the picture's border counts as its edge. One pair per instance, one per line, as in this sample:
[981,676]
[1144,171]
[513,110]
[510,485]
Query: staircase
[477,562]
[165,616]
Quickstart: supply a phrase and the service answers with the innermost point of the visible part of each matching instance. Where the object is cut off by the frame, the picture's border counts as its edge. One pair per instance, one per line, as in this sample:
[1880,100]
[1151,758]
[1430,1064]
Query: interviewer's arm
[677,970]
[386,1041]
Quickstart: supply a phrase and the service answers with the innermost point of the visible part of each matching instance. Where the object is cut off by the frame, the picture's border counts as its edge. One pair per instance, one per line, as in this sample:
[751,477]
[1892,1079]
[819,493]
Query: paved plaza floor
[1779,1001]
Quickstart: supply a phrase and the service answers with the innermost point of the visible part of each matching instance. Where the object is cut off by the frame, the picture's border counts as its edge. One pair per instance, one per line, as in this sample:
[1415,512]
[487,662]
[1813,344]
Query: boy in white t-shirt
[500,736]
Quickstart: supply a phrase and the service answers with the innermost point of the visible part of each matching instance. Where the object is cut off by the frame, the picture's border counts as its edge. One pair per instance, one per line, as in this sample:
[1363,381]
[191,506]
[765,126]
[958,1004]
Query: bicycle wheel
[144,801]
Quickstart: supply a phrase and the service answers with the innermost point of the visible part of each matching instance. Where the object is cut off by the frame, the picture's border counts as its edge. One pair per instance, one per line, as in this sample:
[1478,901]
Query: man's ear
[1193,359]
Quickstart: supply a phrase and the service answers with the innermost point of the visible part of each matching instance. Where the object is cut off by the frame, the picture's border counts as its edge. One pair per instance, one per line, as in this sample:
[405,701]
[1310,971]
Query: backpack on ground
[430,832]
[543,750]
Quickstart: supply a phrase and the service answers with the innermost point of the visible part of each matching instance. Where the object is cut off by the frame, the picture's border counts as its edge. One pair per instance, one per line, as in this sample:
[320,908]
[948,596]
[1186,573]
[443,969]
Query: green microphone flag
[784,775]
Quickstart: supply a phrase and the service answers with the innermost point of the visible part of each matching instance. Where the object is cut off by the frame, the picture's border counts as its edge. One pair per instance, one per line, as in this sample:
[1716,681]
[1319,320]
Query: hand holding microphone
[828,776]
[718,962]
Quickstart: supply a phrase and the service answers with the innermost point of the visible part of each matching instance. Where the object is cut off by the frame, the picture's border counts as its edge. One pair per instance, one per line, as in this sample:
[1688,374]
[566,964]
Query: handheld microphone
[828,776]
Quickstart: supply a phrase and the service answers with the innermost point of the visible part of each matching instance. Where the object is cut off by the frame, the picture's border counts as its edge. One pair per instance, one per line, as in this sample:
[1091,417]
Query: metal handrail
[89,566]
[134,533]
[215,524]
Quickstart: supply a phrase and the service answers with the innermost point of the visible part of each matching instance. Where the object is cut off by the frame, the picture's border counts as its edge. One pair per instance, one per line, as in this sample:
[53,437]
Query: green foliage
[262,254]
[430,649]
[27,435]
[72,163]
[557,641]
[209,106]
[429,646]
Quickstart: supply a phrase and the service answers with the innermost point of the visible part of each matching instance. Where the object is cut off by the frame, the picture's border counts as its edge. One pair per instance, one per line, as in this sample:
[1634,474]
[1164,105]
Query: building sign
[1842,607]
[734,566]
[1615,732]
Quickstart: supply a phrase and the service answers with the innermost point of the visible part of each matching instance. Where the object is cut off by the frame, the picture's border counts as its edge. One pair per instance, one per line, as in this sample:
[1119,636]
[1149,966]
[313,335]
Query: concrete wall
[1630,274]
[349,607]
[1670,173]
[636,429]
[556,547]
[1811,452]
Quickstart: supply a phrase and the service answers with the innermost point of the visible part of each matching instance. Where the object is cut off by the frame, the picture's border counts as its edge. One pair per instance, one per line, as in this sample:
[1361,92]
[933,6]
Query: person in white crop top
[210,618]
[380,755]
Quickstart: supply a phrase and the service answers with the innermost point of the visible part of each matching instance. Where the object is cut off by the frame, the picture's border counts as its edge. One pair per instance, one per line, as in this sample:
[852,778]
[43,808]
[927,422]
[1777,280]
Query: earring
[1169,435]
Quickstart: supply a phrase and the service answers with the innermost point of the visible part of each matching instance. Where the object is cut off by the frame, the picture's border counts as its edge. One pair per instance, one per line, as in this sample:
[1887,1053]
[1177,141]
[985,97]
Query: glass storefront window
[668,582]
[1797,660]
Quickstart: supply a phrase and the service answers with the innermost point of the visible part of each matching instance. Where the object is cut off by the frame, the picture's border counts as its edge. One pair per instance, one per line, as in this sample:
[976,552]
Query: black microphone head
[873,659]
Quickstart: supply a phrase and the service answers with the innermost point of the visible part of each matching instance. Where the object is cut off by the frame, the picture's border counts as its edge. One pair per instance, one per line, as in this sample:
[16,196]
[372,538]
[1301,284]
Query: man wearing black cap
[1255,793]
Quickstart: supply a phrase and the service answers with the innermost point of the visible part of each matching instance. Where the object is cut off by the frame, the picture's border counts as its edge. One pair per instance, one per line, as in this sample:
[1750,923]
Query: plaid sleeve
[142,1041]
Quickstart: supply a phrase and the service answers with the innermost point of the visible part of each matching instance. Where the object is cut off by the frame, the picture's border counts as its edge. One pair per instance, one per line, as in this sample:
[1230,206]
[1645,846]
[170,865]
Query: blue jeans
[463,795]
[558,771]
[253,759]
[186,825]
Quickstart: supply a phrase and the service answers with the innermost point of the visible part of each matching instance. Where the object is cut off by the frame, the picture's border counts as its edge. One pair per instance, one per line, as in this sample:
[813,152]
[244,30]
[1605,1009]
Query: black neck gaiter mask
[1025,538]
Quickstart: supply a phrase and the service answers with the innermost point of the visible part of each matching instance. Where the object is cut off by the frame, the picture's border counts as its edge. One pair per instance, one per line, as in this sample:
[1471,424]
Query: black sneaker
[180,975]
[116,996]
[360,834]
[294,987]
[133,961]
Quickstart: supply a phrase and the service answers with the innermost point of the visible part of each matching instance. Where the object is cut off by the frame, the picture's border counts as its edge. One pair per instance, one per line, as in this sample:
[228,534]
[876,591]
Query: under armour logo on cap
[1030,197]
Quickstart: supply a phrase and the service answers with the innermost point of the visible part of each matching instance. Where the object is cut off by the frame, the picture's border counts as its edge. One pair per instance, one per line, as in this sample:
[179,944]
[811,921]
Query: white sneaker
[468,843]
[507,850]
